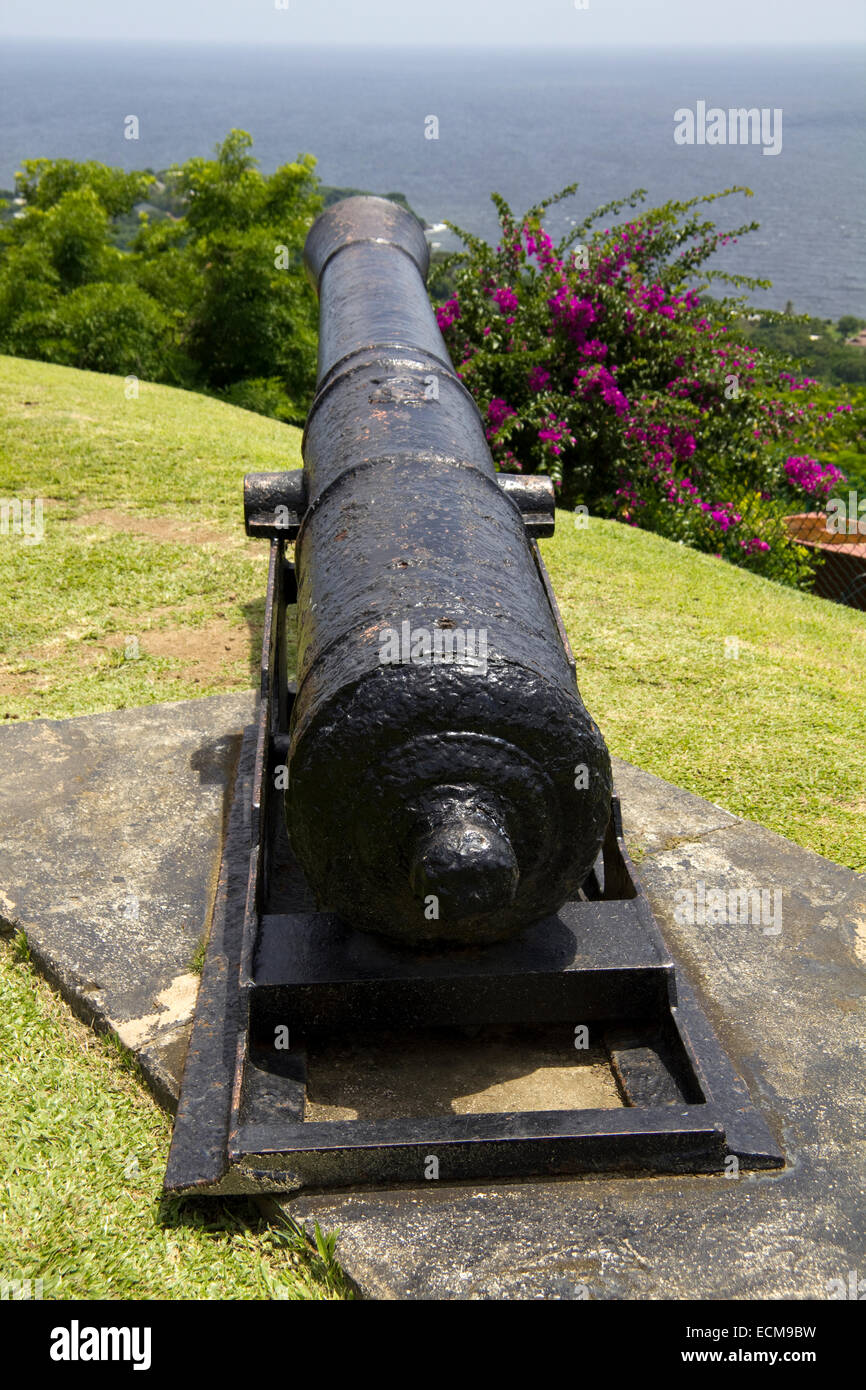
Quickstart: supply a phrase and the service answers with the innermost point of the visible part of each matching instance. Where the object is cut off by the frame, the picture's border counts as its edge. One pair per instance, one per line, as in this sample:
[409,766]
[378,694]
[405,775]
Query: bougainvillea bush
[603,362]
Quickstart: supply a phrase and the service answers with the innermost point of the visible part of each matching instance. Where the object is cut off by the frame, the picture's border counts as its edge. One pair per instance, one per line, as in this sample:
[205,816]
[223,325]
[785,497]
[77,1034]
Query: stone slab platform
[110,838]
[110,834]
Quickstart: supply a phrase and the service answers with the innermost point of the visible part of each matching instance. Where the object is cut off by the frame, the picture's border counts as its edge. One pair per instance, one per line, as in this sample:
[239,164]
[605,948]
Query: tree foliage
[213,298]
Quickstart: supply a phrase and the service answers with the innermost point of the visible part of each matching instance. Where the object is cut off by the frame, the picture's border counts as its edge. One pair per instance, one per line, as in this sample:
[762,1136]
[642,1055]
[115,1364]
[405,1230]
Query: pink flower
[811,476]
[506,299]
[498,412]
[447,314]
[591,379]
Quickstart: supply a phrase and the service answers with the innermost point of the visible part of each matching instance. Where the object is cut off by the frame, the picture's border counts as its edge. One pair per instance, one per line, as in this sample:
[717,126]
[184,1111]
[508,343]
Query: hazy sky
[536,22]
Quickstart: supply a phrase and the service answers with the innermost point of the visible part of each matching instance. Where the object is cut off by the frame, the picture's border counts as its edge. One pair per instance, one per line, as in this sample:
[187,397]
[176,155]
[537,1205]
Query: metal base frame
[278,973]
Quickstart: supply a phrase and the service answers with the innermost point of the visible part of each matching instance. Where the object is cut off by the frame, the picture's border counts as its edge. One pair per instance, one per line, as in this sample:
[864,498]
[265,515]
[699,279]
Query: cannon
[445,781]
[422,837]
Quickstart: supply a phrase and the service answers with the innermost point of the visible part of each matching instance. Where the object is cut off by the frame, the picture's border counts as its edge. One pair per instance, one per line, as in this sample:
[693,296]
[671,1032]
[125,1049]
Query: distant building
[859,339]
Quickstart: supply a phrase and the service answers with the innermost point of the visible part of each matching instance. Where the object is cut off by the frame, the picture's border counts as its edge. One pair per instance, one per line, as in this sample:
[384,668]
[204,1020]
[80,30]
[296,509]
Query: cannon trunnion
[423,839]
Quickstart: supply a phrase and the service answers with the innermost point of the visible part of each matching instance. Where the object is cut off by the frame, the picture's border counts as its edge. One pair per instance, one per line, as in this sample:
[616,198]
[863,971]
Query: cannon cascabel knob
[467,865]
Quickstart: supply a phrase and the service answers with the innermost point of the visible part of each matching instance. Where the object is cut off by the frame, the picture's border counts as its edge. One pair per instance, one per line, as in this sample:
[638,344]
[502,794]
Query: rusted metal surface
[445,779]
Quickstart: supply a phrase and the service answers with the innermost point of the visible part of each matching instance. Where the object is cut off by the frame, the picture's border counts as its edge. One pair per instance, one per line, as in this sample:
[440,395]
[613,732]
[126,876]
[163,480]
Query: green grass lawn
[144,548]
[144,588]
[84,1152]
[143,538]
[748,693]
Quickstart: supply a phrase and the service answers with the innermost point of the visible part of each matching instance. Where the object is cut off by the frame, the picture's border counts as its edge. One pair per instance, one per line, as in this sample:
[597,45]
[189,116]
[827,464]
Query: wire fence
[842,575]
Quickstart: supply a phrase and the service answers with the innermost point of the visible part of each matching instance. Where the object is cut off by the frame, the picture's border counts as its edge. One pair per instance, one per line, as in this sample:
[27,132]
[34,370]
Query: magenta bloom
[593,350]
[637,372]
[538,244]
[507,300]
[723,518]
[812,477]
[572,314]
[555,433]
[498,412]
[685,445]
[538,379]
[447,314]
[591,379]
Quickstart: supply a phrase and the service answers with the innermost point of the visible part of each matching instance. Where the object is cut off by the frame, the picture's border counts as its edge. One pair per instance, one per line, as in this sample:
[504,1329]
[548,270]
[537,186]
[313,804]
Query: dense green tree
[214,297]
[113,328]
[75,233]
[255,314]
[43,182]
[29,291]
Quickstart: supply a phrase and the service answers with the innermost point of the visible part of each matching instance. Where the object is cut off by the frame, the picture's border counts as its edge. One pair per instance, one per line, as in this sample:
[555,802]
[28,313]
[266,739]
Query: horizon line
[484,45]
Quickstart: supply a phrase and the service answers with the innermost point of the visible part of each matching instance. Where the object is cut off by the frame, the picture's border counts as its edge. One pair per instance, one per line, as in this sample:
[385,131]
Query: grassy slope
[771,734]
[188,587]
[80,1201]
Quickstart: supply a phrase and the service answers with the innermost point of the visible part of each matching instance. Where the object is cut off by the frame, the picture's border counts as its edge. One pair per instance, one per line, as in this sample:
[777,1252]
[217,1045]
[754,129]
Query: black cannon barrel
[445,779]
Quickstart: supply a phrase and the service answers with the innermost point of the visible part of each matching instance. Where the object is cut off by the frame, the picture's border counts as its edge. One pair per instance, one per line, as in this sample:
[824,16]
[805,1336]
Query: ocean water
[522,124]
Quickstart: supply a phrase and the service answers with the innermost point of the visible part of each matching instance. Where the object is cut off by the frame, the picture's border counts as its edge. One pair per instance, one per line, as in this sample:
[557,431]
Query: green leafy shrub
[265,396]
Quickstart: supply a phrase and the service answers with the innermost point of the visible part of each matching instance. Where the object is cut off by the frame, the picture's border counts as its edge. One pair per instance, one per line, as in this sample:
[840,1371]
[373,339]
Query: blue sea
[521,123]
